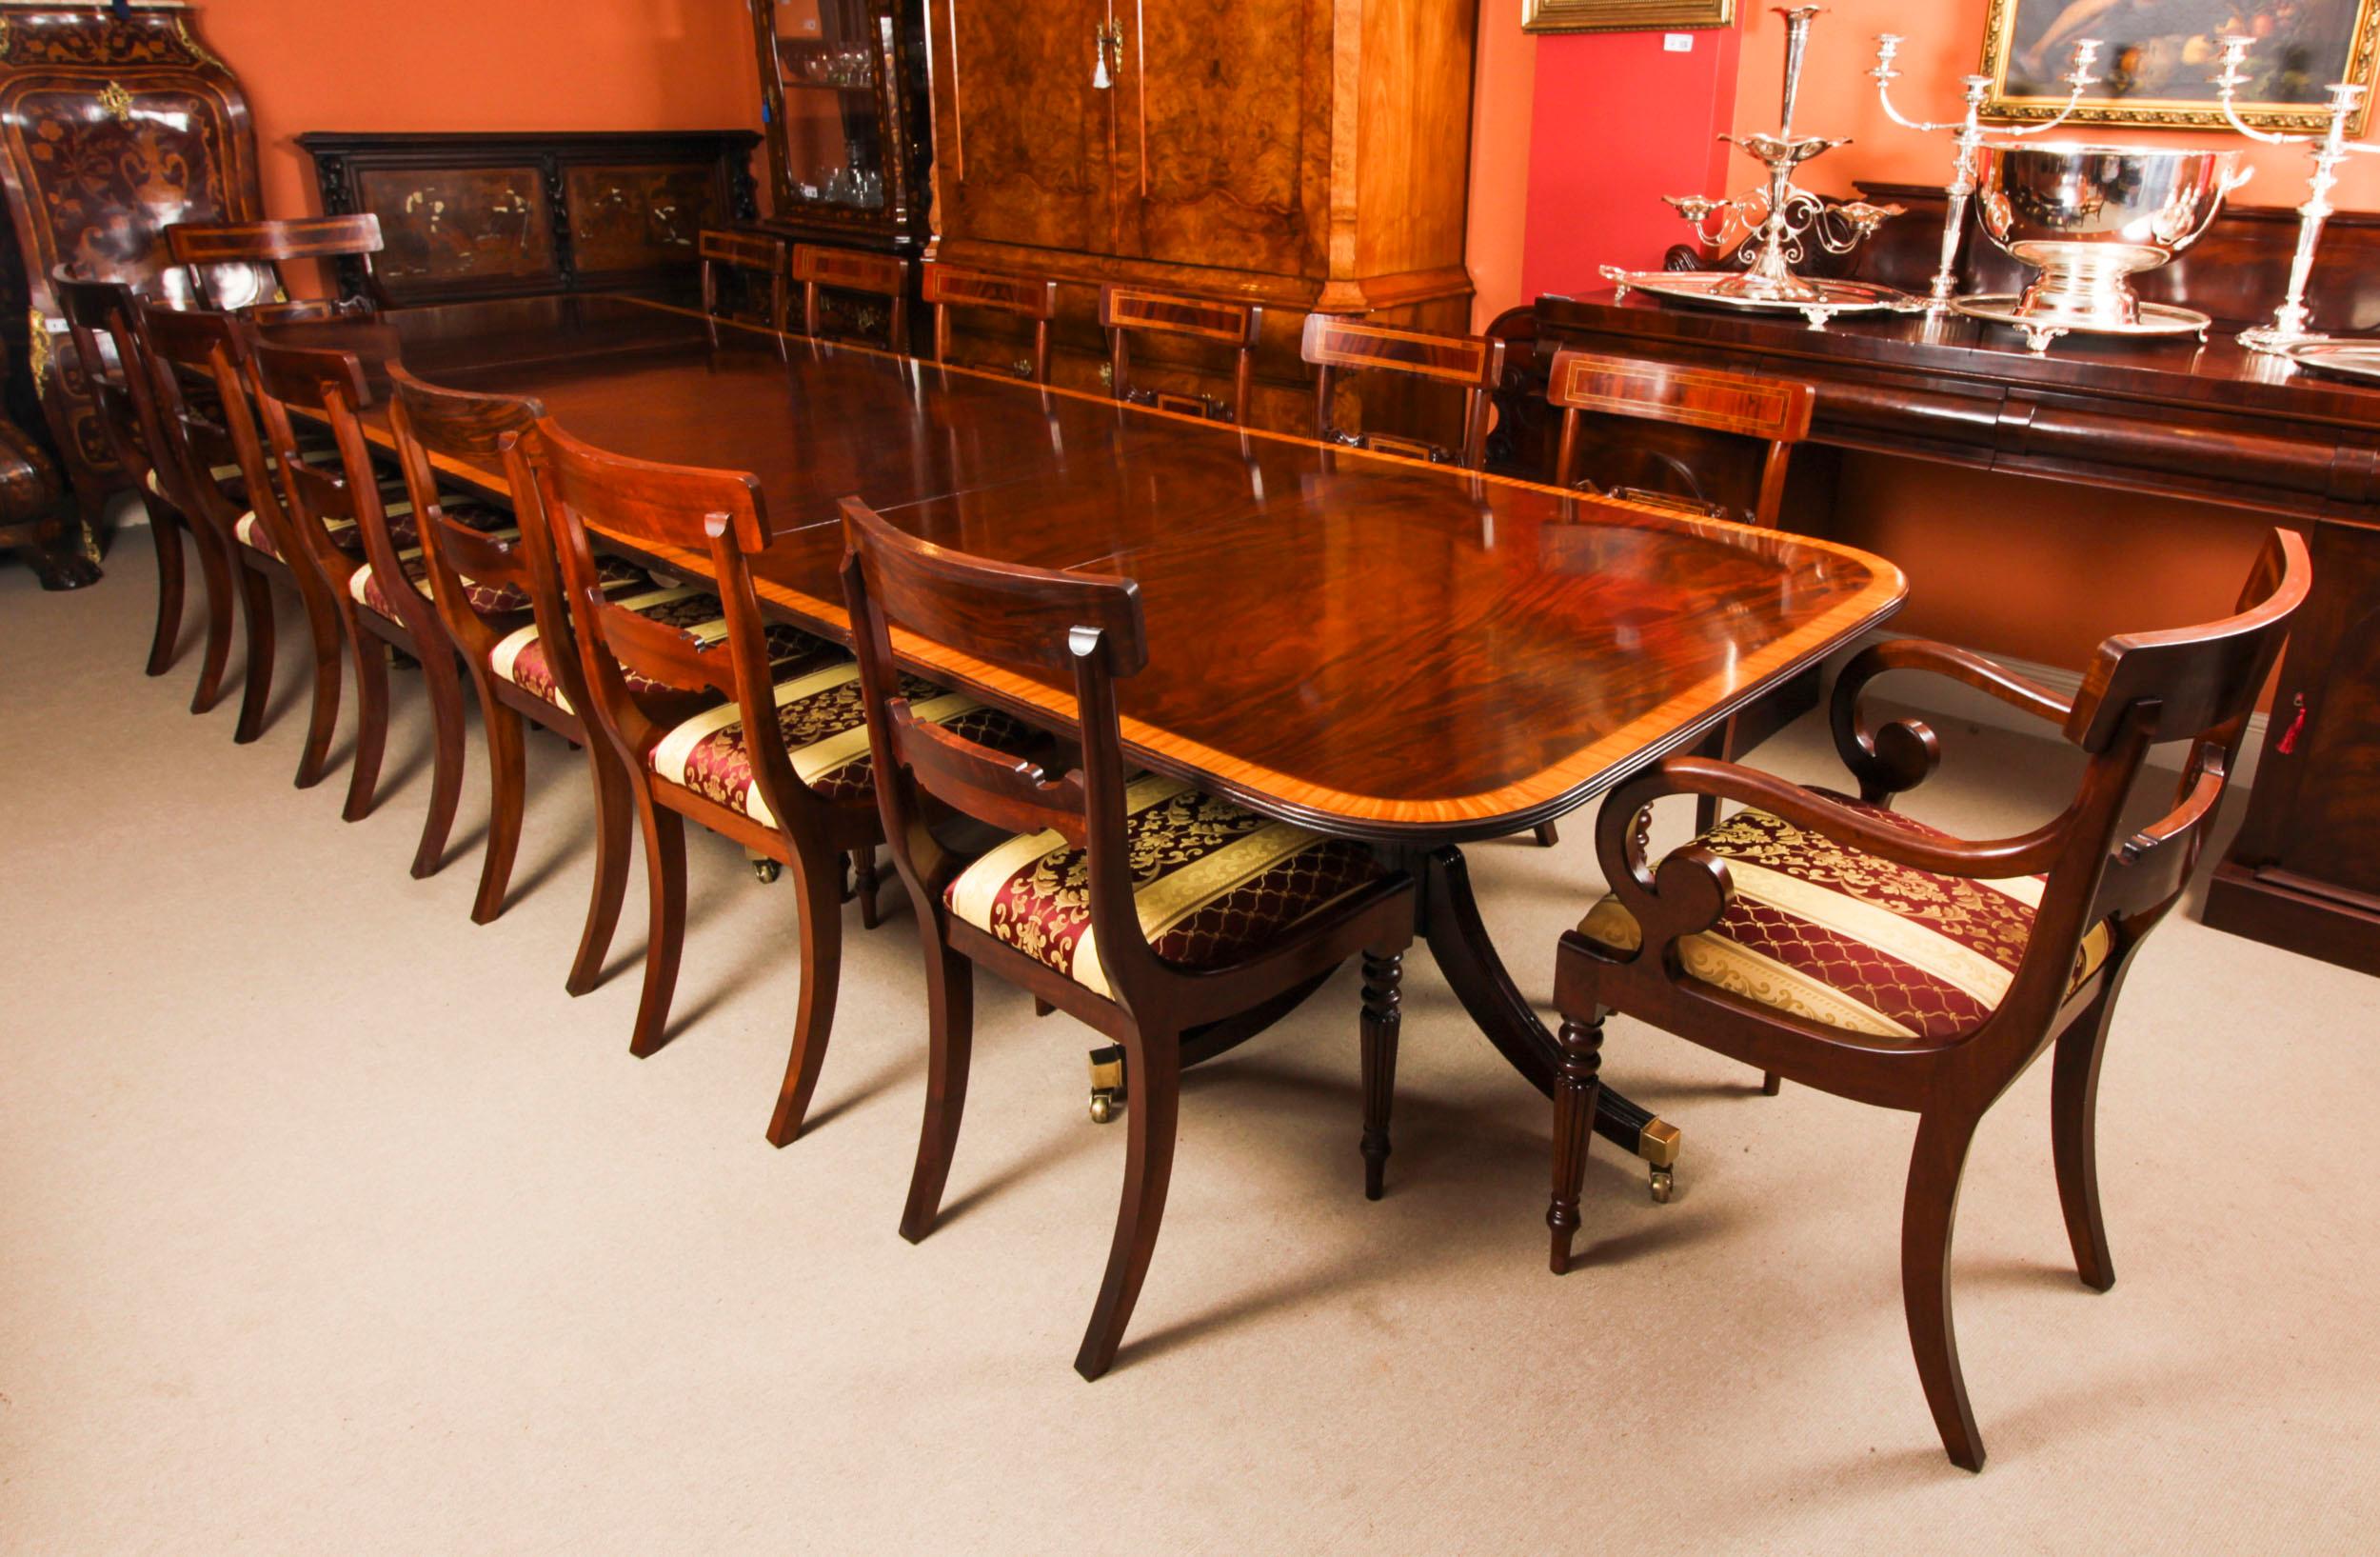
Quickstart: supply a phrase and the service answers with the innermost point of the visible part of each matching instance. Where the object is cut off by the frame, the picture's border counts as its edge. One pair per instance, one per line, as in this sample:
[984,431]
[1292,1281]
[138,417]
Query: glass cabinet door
[830,59]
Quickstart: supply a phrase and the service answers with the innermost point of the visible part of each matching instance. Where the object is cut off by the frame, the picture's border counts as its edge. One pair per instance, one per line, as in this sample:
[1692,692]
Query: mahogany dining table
[1372,647]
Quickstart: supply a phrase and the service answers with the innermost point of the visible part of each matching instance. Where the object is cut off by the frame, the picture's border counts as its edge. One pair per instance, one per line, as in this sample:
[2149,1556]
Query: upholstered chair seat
[491,600]
[1825,933]
[520,658]
[1214,884]
[822,719]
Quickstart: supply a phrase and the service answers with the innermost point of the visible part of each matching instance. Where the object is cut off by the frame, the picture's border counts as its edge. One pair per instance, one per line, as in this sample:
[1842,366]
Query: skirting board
[1951,701]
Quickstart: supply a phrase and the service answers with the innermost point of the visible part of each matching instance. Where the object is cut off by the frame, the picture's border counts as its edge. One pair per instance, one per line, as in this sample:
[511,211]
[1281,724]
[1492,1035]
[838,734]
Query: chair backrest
[820,270]
[1126,311]
[233,265]
[101,322]
[426,421]
[1030,620]
[586,493]
[751,255]
[197,374]
[1472,364]
[321,497]
[1775,411]
[949,286]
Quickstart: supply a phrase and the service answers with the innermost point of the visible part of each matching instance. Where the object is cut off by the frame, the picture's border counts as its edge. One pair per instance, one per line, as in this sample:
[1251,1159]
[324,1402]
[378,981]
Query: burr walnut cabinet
[1306,156]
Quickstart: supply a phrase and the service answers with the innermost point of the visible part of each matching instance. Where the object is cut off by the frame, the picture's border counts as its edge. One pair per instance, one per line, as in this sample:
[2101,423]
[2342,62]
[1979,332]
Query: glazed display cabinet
[844,95]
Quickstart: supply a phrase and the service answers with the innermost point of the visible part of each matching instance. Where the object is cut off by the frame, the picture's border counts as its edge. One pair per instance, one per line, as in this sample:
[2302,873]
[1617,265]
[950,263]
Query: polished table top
[1378,648]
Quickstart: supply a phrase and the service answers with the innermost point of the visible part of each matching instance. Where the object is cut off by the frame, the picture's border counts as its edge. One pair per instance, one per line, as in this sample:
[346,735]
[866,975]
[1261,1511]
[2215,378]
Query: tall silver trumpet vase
[2290,321]
[1968,138]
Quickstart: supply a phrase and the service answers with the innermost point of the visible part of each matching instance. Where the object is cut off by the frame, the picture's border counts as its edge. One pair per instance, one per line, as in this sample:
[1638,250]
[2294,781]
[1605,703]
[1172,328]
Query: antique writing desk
[1371,647]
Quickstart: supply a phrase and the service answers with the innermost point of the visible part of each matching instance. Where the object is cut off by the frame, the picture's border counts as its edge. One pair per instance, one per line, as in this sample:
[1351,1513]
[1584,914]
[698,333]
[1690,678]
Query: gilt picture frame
[2158,59]
[1624,16]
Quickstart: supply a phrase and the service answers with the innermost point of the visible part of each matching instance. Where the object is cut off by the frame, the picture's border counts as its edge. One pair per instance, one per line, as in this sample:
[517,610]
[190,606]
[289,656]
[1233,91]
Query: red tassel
[2289,737]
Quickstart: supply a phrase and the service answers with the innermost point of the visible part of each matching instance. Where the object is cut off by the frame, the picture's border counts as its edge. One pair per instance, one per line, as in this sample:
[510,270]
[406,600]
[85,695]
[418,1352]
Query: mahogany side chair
[852,272]
[501,602]
[754,256]
[101,320]
[1840,943]
[216,474]
[1472,364]
[1775,411]
[678,712]
[1126,311]
[1165,917]
[233,264]
[1034,300]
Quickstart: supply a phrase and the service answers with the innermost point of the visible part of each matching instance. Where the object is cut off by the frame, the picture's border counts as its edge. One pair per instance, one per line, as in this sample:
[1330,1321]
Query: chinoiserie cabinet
[1304,154]
[843,100]
[114,123]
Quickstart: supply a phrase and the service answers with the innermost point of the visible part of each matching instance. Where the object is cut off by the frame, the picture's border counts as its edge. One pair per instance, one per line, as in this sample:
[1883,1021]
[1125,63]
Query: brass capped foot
[1664,1182]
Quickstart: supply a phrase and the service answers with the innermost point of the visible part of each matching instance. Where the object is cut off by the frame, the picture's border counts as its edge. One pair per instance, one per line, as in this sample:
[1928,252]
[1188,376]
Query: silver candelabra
[1768,228]
[2290,320]
[1969,139]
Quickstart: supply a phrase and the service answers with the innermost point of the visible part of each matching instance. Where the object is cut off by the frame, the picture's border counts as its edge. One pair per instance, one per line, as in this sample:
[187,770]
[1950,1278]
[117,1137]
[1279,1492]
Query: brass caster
[1664,1181]
[765,871]
[1107,1083]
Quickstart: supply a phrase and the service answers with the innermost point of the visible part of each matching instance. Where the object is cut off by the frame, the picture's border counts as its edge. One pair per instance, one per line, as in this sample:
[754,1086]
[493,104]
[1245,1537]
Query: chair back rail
[1775,411]
[189,348]
[1022,618]
[587,491]
[1474,364]
[218,253]
[426,421]
[820,270]
[1128,311]
[752,254]
[100,323]
[1033,299]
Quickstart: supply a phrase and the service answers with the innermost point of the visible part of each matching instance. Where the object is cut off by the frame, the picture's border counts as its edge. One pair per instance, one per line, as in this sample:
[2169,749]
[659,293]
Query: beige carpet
[328,1224]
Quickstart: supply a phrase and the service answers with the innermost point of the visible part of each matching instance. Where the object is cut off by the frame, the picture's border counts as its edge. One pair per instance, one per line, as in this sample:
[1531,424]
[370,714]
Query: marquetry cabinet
[1304,154]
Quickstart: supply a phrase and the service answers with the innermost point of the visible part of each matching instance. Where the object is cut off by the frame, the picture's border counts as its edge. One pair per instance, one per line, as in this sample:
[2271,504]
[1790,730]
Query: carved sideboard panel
[509,215]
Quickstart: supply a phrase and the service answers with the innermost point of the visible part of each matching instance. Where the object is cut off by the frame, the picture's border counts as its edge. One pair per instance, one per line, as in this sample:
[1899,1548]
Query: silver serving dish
[2088,218]
[2009,309]
[1817,300]
[2354,359]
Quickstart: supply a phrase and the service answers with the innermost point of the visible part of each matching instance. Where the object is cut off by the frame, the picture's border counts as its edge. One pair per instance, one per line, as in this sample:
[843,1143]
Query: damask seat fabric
[1833,935]
[487,599]
[521,657]
[1214,884]
[822,719]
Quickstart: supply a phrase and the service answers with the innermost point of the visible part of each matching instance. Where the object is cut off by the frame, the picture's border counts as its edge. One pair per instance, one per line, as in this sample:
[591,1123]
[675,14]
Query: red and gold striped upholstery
[1833,935]
[1214,884]
[487,599]
[822,720]
[697,613]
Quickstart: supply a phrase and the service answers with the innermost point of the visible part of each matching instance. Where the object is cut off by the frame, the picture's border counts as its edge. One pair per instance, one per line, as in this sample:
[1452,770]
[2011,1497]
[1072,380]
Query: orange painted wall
[1504,65]
[479,65]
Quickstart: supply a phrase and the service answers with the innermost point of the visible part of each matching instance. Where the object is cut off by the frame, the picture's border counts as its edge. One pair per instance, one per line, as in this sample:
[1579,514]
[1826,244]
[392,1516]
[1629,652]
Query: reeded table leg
[1459,939]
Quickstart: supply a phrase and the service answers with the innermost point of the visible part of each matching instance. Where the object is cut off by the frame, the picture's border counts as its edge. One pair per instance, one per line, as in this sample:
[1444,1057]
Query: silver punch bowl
[2091,217]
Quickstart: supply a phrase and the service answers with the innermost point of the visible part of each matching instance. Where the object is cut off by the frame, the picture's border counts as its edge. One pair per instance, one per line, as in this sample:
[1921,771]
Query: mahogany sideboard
[2213,423]
[512,214]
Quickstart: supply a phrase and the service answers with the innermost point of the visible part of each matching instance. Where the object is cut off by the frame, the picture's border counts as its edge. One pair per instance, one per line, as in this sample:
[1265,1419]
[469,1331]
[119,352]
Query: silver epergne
[1770,229]
[1969,140]
[2291,320]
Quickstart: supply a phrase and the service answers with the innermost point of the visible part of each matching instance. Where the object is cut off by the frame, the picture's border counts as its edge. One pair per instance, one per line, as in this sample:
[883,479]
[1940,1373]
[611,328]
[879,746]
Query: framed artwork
[1624,16]
[2158,59]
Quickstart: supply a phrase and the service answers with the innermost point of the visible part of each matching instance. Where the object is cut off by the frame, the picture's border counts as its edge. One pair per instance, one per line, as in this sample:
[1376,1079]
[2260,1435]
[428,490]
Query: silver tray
[2155,319]
[2355,359]
[1702,289]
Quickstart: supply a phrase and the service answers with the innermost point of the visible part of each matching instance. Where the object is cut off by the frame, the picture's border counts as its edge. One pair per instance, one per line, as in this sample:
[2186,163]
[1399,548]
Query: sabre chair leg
[615,807]
[1155,1062]
[328,640]
[165,532]
[444,679]
[507,785]
[1927,1213]
[816,881]
[1577,1082]
[950,999]
[372,722]
[256,613]
[664,934]
[217,570]
[2073,1136]
[1383,975]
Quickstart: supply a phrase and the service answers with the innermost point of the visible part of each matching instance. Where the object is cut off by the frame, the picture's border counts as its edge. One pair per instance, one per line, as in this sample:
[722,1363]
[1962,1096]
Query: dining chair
[1126,311]
[1772,410]
[678,711]
[102,323]
[1838,943]
[1032,299]
[851,273]
[1155,912]
[217,475]
[1474,364]
[752,256]
[233,265]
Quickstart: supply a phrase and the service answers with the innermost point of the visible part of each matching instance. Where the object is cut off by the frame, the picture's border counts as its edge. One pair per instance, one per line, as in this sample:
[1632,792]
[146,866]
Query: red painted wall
[1620,122]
